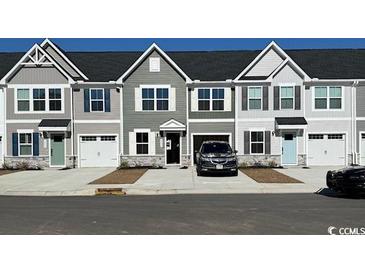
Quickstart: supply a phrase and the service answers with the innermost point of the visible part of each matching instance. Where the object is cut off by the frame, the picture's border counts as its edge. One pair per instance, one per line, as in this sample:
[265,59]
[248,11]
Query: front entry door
[173,148]
[57,150]
[289,149]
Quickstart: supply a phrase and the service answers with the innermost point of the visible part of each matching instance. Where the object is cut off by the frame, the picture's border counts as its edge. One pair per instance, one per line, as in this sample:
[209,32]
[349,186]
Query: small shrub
[124,164]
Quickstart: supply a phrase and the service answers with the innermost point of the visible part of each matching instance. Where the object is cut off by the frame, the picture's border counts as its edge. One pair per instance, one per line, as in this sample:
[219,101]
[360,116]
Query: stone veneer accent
[156,160]
[255,160]
[32,162]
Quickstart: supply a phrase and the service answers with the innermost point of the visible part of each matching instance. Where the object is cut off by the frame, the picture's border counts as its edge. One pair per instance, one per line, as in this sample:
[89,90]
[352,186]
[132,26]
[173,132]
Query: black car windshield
[216,148]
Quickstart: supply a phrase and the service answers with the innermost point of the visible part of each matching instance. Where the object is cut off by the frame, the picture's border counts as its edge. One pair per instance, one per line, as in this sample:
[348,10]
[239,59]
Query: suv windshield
[216,148]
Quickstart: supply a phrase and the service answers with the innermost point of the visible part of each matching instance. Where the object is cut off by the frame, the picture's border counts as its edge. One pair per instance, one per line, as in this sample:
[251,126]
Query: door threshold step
[110,191]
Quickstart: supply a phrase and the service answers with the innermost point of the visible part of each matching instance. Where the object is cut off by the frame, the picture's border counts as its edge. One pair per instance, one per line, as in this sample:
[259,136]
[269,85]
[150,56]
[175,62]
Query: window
[97,99]
[88,138]
[218,99]
[23,99]
[25,144]
[39,99]
[315,136]
[107,138]
[154,64]
[162,98]
[335,136]
[142,142]
[257,142]
[148,99]
[210,99]
[55,99]
[286,97]
[327,98]
[254,97]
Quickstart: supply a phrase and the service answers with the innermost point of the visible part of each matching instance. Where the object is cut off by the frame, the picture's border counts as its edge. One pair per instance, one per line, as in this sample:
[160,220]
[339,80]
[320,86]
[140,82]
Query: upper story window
[97,100]
[254,98]
[154,64]
[286,97]
[25,144]
[211,99]
[257,142]
[155,99]
[39,100]
[327,98]
[142,142]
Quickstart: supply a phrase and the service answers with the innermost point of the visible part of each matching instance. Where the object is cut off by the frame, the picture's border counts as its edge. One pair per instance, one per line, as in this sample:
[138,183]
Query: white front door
[326,149]
[98,151]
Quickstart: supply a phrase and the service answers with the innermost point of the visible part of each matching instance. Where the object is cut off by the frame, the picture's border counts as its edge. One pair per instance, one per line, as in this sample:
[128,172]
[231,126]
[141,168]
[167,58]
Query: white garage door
[98,151]
[326,149]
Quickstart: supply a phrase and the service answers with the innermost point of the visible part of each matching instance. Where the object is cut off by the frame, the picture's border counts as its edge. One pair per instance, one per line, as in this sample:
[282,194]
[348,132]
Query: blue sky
[178,44]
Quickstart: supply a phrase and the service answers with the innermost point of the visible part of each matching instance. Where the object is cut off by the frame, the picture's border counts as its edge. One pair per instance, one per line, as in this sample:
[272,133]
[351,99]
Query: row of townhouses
[97,109]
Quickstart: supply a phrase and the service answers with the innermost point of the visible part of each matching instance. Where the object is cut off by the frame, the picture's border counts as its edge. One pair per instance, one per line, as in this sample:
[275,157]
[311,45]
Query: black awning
[291,121]
[54,123]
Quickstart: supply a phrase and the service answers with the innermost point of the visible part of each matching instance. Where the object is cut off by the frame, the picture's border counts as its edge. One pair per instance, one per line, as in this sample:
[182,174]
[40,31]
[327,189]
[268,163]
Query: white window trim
[263,142]
[31,100]
[155,87]
[143,130]
[91,100]
[293,97]
[328,99]
[248,97]
[210,99]
[31,142]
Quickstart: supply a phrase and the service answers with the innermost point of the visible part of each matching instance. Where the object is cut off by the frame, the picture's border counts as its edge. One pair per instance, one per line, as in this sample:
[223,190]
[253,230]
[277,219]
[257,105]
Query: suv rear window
[216,148]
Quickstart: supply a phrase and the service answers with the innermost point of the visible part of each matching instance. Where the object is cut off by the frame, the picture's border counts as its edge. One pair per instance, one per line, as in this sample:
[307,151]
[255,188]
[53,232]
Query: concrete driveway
[52,182]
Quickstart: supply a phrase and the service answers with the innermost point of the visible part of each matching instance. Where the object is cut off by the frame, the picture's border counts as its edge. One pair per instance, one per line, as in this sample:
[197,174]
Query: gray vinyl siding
[212,114]
[360,98]
[152,120]
[38,75]
[95,128]
[10,104]
[61,62]
[212,128]
[266,64]
[80,114]
[43,143]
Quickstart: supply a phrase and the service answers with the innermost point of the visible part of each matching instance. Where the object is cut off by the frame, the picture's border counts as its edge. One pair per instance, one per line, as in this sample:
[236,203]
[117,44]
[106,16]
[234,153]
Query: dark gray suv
[216,156]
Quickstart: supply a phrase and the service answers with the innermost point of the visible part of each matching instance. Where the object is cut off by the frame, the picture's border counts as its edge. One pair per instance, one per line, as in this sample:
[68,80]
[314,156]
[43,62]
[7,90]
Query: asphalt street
[180,214]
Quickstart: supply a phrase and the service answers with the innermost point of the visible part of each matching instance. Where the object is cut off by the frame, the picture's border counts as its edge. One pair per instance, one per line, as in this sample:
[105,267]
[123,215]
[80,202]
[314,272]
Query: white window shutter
[137,99]
[194,100]
[172,99]
[132,143]
[152,143]
[227,99]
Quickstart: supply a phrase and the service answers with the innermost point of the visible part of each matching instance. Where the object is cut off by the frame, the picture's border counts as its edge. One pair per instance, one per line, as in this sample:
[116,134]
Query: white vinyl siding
[328,98]
[254,98]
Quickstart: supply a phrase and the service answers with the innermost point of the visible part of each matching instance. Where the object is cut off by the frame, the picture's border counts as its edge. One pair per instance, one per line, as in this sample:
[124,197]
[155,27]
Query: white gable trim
[172,124]
[47,41]
[282,65]
[142,58]
[262,53]
[21,63]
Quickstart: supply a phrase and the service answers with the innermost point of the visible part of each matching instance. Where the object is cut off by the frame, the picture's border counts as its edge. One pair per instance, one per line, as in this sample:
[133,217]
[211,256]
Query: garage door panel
[98,151]
[326,149]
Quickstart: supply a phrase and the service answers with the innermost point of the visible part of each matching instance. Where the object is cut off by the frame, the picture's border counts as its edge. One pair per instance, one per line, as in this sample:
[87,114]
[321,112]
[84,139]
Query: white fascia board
[53,128]
[291,126]
[143,56]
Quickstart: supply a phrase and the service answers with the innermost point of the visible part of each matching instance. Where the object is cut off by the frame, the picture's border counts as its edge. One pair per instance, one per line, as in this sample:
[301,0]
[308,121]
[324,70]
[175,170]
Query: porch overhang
[54,125]
[172,125]
[290,123]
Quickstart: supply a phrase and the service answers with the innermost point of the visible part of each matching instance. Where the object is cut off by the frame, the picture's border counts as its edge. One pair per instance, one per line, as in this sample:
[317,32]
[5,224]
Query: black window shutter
[265,97]
[244,98]
[15,143]
[297,97]
[86,100]
[276,98]
[35,144]
[107,100]
[268,142]
[246,137]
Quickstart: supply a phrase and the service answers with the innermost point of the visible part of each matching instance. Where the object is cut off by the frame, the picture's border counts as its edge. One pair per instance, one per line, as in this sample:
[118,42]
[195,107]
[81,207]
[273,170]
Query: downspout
[72,130]
[353,123]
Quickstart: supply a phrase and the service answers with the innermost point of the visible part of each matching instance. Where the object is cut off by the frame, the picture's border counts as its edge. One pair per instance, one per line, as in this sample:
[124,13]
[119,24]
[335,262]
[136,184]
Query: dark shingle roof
[54,122]
[212,65]
[291,121]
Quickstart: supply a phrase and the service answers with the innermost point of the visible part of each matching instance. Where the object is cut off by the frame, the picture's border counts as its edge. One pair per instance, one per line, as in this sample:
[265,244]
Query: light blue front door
[289,149]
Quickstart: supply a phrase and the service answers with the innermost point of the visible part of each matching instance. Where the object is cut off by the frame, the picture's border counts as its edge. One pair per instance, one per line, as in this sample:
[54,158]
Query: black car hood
[351,169]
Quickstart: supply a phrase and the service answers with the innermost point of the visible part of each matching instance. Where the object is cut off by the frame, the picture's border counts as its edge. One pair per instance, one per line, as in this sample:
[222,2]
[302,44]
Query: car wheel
[198,172]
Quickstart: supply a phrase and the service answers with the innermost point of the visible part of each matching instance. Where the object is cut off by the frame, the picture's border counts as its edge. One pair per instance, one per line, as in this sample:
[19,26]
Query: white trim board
[223,120]
[97,121]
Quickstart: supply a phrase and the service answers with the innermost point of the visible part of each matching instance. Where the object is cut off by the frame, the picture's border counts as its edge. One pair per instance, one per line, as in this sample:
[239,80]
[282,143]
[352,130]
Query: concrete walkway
[186,181]
[52,182]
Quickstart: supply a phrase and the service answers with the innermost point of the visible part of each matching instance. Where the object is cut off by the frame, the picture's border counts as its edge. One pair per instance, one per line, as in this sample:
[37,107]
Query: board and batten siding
[152,120]
[10,111]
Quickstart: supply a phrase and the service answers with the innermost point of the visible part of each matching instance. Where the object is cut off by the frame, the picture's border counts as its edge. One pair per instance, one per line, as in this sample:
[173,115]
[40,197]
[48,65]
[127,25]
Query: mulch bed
[7,171]
[269,176]
[121,176]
